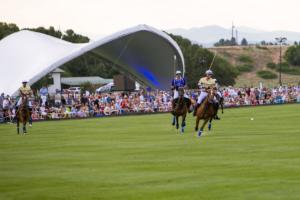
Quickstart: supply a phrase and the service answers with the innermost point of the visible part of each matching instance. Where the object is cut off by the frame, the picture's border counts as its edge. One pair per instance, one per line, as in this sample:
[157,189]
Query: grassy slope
[260,57]
[142,157]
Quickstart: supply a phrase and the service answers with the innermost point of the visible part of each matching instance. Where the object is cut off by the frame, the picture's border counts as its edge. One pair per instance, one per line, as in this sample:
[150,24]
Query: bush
[287,69]
[290,70]
[245,68]
[266,74]
[245,59]
[271,65]
[261,47]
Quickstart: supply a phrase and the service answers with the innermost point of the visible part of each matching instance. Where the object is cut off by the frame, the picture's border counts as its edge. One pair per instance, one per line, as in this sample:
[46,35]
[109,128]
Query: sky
[102,17]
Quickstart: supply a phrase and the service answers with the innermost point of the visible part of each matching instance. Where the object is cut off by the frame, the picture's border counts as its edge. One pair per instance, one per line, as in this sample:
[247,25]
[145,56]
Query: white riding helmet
[24,81]
[209,72]
[178,72]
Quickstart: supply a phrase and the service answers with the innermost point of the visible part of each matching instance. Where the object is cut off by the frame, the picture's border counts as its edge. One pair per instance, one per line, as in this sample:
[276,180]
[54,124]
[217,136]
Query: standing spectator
[44,94]
[84,100]
[57,99]
[1,99]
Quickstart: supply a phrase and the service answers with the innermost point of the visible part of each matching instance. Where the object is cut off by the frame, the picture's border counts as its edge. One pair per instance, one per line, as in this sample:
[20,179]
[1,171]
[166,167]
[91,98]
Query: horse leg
[24,128]
[197,123]
[209,124]
[173,122]
[177,124]
[203,125]
[18,128]
[30,121]
[183,124]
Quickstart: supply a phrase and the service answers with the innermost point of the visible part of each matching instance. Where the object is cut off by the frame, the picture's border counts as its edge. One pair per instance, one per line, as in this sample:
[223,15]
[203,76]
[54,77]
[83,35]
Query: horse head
[24,102]
[211,95]
[180,91]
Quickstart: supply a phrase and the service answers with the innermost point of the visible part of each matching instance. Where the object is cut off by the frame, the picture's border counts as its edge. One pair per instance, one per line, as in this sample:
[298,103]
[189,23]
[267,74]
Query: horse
[181,109]
[206,111]
[22,115]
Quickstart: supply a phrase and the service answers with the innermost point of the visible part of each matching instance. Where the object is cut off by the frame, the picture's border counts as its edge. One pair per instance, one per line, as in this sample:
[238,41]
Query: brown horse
[206,111]
[181,109]
[23,114]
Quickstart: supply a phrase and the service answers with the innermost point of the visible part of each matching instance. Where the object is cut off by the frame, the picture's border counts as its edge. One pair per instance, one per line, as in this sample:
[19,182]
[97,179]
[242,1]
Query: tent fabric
[148,55]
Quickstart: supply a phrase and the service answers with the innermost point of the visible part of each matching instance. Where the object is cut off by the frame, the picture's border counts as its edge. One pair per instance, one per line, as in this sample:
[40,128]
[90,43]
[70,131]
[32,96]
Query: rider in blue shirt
[179,82]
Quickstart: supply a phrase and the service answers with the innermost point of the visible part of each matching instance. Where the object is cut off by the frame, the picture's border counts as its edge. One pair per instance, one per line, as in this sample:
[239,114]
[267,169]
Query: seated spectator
[107,109]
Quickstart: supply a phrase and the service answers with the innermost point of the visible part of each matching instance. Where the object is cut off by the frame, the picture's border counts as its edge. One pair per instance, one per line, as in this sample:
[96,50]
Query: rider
[206,83]
[179,82]
[25,92]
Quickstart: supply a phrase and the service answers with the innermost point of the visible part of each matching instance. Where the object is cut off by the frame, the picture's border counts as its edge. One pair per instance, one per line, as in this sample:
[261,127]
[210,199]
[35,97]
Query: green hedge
[266,74]
[271,65]
[245,68]
[245,59]
[285,68]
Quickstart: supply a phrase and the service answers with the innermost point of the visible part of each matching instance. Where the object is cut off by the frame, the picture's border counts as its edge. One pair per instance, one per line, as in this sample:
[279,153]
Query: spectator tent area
[149,55]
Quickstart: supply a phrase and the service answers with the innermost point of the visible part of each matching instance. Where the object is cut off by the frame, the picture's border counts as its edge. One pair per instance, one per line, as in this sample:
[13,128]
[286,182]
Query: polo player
[179,82]
[25,92]
[205,83]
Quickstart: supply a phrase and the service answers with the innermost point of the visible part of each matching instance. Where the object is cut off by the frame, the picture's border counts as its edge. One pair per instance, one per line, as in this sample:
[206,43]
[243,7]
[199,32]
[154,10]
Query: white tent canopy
[143,52]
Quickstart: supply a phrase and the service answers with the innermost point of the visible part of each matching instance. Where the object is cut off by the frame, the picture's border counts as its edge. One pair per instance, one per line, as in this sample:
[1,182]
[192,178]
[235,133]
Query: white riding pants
[44,99]
[176,95]
[20,101]
[202,96]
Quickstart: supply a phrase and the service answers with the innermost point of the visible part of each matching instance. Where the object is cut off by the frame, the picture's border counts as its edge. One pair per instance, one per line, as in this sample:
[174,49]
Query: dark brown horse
[181,109]
[206,111]
[23,114]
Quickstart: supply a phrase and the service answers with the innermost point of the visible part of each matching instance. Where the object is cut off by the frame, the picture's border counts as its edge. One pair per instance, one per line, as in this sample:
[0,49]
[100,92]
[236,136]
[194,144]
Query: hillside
[208,35]
[260,56]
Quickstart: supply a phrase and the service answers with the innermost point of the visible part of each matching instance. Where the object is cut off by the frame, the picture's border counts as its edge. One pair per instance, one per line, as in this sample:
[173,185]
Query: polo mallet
[211,64]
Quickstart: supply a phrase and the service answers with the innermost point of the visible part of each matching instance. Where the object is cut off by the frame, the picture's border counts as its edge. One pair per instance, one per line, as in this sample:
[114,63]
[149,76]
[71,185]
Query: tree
[51,31]
[7,29]
[244,42]
[292,55]
[71,36]
[233,41]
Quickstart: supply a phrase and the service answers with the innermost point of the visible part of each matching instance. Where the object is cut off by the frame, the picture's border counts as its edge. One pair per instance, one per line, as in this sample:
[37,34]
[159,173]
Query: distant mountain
[208,35]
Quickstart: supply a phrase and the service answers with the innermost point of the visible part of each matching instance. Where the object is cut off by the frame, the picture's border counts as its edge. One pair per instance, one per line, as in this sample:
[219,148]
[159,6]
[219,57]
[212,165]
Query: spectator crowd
[75,105]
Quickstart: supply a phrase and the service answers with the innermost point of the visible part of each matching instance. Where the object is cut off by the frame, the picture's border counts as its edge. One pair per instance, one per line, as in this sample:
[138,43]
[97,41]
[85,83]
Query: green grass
[142,157]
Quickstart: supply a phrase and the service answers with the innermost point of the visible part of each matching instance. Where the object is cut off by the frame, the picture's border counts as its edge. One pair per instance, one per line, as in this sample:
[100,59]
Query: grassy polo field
[143,157]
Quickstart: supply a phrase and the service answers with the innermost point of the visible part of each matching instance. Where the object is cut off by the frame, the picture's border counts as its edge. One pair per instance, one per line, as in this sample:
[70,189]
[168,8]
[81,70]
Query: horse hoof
[209,127]
[199,133]
[182,130]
